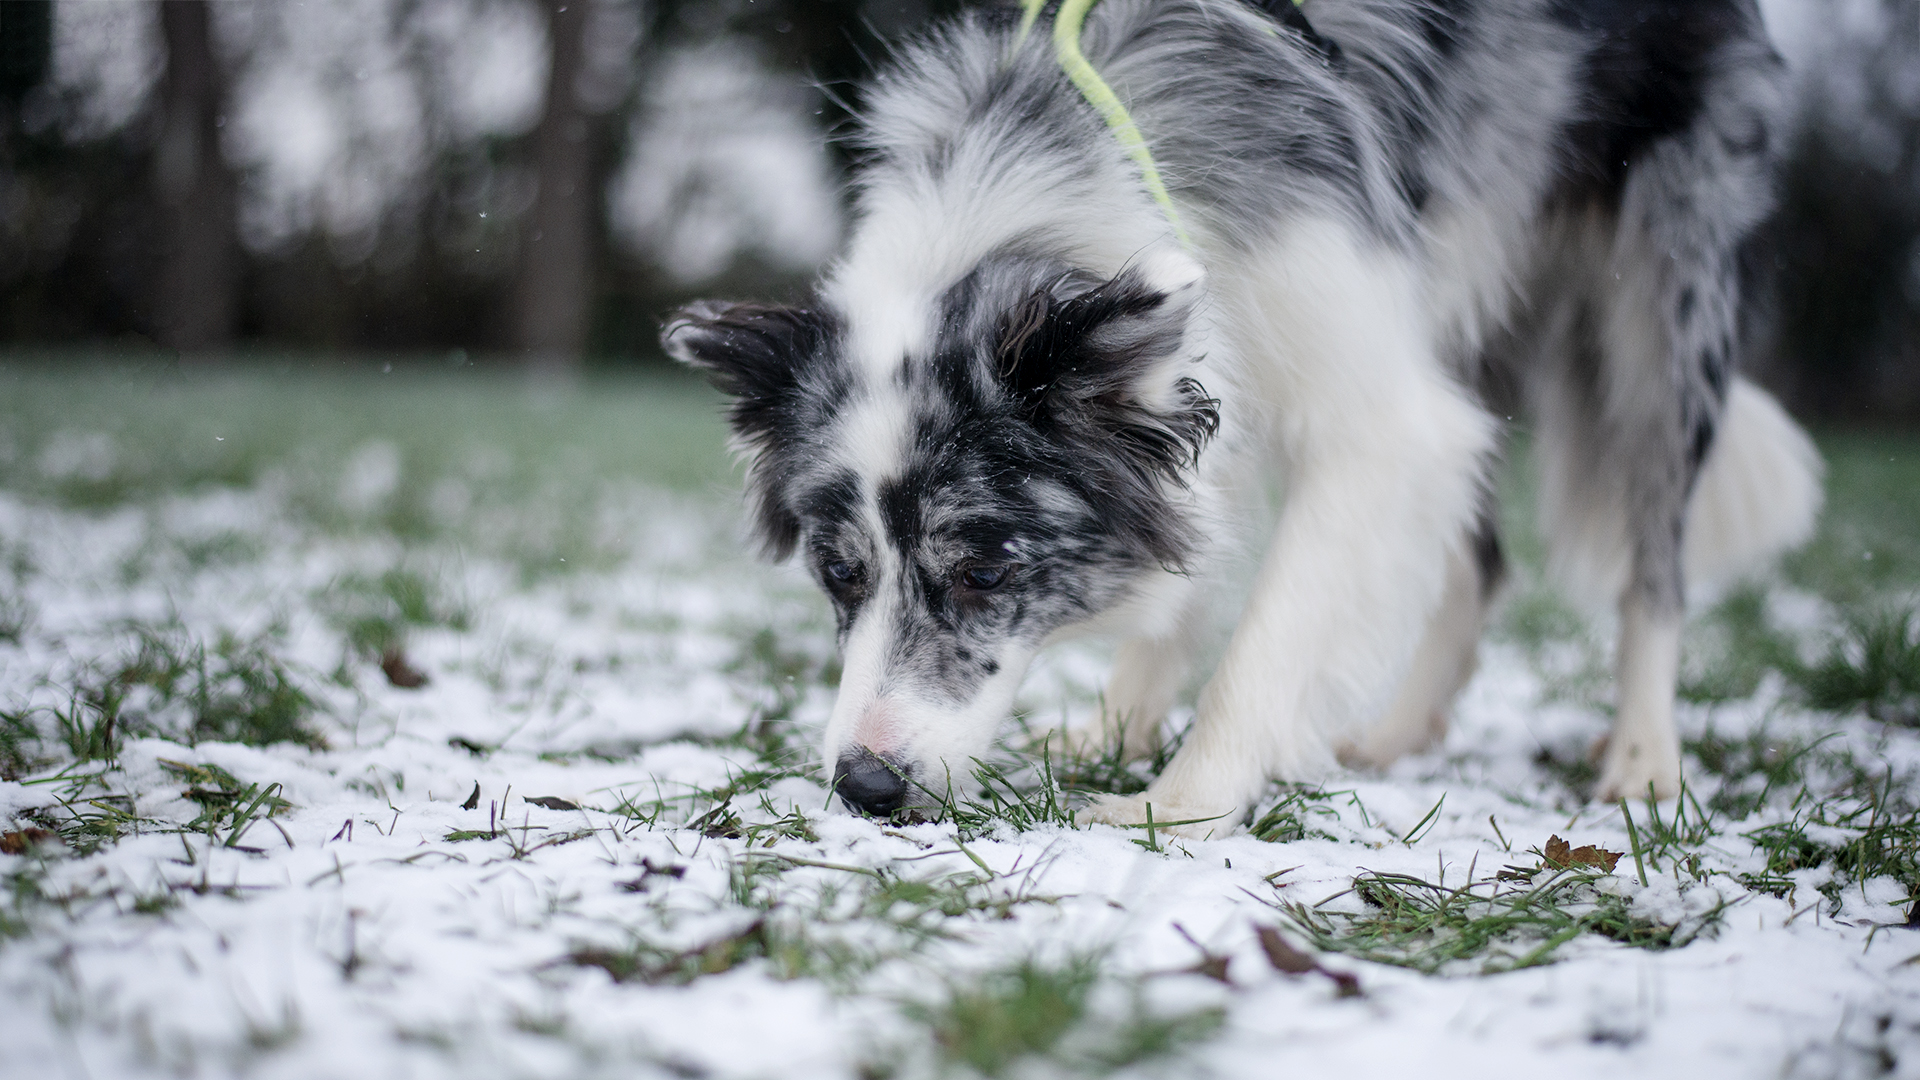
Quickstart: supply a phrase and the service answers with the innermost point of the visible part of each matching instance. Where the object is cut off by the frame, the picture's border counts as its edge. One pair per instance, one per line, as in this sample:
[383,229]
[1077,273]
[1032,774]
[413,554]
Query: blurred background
[532,182]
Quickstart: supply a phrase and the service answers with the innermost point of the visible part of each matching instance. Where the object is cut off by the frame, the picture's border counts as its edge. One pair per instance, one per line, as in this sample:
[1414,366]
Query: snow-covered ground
[593,843]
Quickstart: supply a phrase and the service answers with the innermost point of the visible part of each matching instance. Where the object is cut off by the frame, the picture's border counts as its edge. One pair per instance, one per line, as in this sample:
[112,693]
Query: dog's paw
[1195,821]
[1628,766]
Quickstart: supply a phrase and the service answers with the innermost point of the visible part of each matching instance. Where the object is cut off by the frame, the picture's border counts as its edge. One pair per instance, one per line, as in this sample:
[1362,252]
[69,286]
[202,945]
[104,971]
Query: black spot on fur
[762,356]
[1644,78]
[1443,23]
[1288,14]
[1075,365]
[1489,558]
[1699,441]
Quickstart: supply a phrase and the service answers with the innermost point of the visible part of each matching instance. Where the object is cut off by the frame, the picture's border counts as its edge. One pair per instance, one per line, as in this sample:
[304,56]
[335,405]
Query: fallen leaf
[17,842]
[648,871]
[551,802]
[1346,982]
[473,800]
[1211,964]
[1558,853]
[1282,955]
[471,747]
[393,663]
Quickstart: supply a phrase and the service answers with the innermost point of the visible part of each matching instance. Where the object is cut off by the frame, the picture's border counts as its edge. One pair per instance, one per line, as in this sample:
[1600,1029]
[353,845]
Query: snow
[349,936]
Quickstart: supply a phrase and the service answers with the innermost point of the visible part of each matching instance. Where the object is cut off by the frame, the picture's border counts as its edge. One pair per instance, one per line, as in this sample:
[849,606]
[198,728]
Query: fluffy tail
[1758,492]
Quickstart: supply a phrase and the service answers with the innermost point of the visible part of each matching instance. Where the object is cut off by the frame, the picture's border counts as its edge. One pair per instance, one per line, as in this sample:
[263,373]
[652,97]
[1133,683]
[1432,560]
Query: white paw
[1629,765]
[1193,820]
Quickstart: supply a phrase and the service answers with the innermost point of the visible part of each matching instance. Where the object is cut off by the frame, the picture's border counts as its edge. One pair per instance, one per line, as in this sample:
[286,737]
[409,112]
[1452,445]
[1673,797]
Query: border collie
[1052,368]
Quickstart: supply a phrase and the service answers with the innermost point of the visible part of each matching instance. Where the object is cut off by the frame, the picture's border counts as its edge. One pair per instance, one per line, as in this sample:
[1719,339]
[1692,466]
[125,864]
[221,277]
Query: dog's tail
[1758,491]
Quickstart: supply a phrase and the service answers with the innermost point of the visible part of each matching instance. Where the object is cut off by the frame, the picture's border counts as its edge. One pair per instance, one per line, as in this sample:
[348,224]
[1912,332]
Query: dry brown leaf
[1213,965]
[1559,854]
[1284,957]
[400,673]
[17,842]
[1281,954]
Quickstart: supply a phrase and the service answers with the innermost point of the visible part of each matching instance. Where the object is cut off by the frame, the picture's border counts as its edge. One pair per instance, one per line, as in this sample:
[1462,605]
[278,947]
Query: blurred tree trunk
[26,51]
[26,46]
[553,290]
[196,302]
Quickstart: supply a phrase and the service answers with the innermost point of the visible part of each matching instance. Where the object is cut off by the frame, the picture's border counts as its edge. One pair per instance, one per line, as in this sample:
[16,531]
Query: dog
[1076,336]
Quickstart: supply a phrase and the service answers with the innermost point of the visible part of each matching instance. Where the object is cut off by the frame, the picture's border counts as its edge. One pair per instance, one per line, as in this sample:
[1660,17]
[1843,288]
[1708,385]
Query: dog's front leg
[1149,670]
[1383,456]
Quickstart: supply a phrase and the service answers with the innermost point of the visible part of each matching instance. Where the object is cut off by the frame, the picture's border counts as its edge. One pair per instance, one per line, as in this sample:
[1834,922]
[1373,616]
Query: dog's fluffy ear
[759,355]
[1106,360]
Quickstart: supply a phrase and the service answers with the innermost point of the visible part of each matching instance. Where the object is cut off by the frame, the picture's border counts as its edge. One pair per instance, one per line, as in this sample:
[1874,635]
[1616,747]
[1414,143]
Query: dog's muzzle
[869,783]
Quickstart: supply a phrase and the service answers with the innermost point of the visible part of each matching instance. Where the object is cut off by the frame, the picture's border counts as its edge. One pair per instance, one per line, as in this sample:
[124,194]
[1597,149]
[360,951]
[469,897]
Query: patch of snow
[381,927]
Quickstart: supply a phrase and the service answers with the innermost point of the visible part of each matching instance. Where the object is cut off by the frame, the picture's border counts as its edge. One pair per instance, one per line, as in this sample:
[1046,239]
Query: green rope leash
[1066,50]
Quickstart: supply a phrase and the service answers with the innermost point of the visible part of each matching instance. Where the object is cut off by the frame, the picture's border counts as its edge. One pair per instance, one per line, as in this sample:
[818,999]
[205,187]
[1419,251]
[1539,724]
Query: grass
[994,1022]
[996,801]
[423,468]
[423,453]
[1732,648]
[233,689]
[88,823]
[1868,544]
[1517,918]
[1873,834]
[1297,814]
[167,683]
[1750,768]
[1872,664]
[226,803]
[1106,770]
[375,613]
[836,932]
[22,894]
[782,953]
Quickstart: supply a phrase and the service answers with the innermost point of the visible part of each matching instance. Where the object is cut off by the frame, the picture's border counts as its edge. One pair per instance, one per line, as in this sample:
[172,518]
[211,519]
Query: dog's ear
[759,355]
[1107,360]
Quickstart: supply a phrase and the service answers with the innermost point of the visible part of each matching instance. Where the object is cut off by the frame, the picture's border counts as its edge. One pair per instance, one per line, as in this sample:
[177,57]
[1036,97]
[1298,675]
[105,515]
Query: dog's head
[1021,464]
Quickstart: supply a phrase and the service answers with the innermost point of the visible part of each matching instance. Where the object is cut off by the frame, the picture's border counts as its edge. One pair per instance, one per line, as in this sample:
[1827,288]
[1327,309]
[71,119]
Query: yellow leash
[1066,50]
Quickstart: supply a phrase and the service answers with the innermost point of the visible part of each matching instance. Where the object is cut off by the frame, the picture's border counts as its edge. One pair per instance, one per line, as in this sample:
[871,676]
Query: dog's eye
[985,578]
[841,573]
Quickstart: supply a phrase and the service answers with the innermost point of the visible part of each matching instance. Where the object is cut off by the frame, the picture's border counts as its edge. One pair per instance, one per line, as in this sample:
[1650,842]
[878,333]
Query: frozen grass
[430,722]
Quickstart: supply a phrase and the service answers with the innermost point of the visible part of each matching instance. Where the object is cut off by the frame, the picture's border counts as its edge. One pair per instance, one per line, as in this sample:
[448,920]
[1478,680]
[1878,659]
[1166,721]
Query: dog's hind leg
[1447,657]
[1633,407]
[1616,452]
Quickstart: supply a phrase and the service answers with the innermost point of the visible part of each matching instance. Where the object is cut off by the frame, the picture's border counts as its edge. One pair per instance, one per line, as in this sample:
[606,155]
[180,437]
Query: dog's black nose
[870,784]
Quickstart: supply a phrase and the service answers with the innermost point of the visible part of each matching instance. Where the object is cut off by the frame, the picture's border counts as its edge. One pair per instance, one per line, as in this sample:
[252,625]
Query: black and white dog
[1031,398]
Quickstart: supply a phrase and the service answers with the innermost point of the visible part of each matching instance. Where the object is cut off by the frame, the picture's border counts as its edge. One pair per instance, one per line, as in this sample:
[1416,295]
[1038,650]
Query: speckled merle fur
[998,416]
[1025,445]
